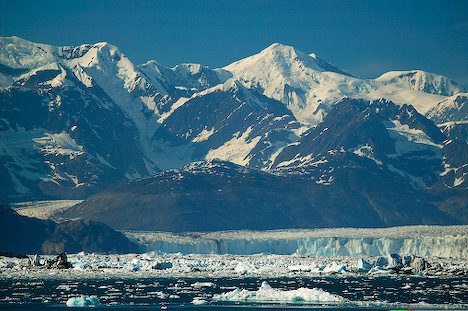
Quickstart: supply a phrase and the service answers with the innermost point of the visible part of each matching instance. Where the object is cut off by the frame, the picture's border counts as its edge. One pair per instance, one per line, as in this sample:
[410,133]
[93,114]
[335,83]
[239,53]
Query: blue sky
[364,37]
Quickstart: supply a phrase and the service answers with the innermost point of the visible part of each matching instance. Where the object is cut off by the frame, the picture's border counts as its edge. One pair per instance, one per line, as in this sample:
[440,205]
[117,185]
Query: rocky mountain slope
[72,119]
[208,196]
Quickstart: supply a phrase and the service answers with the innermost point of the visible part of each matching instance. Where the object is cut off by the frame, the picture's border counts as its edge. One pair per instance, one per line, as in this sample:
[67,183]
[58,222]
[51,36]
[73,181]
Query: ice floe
[268,294]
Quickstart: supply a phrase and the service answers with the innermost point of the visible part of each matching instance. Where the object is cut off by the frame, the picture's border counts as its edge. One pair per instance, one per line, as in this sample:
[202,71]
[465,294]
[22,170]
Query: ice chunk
[363,265]
[268,294]
[203,284]
[407,260]
[243,268]
[60,262]
[83,301]
[198,301]
[7,264]
[380,270]
[36,260]
[418,265]
[394,261]
[381,262]
[334,268]
[64,287]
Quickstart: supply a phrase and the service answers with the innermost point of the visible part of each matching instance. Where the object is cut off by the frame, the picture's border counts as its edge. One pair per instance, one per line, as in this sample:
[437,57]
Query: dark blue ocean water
[381,293]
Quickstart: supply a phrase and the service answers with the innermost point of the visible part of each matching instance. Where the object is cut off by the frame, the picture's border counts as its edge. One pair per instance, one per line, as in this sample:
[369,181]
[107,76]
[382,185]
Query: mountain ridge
[76,120]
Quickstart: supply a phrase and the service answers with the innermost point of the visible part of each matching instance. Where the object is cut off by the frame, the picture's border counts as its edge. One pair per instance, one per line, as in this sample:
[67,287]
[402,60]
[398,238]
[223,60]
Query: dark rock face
[65,133]
[88,236]
[25,235]
[457,131]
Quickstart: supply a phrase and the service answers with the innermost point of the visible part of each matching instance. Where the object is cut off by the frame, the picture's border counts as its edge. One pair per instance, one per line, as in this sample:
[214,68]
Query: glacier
[434,241]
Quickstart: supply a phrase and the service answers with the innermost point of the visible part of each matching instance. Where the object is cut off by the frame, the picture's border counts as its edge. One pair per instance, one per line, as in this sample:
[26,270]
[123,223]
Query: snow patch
[203,135]
[59,144]
[236,150]
[367,152]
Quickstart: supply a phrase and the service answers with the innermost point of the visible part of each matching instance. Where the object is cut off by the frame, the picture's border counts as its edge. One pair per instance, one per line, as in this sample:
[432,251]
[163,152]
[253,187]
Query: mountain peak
[286,59]
[422,81]
[279,47]
[282,53]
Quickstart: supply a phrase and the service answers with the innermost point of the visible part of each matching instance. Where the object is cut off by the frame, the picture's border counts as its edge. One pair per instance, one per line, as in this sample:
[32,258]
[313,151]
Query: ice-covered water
[357,292]
[436,241]
[147,265]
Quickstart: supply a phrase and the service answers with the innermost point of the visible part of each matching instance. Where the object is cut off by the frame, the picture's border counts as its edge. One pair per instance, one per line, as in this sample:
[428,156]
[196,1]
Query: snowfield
[438,241]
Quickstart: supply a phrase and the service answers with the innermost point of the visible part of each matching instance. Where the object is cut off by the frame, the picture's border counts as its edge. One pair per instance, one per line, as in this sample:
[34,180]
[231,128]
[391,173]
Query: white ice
[440,241]
[268,294]
[83,301]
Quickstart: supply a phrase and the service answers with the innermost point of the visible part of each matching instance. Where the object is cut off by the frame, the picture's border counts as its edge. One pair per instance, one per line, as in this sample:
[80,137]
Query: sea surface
[362,293]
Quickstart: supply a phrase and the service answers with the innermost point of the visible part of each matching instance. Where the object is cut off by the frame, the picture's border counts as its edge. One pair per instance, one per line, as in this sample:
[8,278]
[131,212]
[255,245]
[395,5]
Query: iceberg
[244,267]
[418,265]
[334,268]
[381,262]
[363,265]
[83,301]
[394,261]
[268,294]
[203,284]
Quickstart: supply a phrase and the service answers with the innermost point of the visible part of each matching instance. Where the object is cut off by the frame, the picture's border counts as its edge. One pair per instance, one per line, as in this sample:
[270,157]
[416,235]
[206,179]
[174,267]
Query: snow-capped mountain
[183,80]
[450,109]
[390,137]
[422,81]
[231,123]
[74,120]
[309,86]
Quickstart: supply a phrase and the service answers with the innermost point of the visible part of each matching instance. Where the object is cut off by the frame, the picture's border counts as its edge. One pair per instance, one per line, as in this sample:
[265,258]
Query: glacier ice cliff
[436,241]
